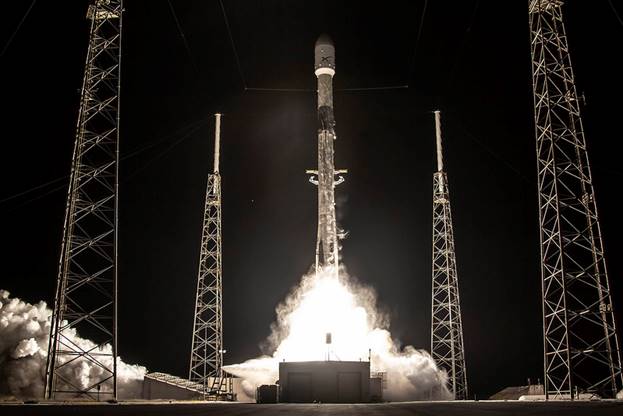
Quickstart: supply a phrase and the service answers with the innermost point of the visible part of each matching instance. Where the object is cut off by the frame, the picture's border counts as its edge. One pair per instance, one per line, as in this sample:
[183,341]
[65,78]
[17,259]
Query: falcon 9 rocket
[327,243]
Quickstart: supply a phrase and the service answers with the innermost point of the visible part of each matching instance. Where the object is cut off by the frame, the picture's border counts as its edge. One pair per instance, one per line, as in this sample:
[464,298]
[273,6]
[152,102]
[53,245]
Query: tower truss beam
[446,325]
[581,350]
[85,302]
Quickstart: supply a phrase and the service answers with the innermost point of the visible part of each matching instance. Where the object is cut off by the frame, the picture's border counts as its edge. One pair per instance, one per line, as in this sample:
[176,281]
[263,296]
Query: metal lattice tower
[86,291]
[446,326]
[581,351]
[206,358]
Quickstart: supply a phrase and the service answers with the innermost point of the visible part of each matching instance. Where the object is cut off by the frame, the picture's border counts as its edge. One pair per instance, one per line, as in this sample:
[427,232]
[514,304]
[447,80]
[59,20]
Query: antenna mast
[206,357]
[446,326]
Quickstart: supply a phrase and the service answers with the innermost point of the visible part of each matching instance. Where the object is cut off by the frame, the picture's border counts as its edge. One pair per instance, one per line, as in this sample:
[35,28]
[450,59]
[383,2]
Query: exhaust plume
[324,304]
[24,335]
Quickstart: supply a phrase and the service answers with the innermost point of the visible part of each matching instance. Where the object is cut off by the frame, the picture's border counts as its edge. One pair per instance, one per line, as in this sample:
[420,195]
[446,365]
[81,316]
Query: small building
[324,382]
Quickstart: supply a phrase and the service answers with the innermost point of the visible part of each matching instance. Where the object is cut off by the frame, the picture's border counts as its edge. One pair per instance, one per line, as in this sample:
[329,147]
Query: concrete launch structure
[327,243]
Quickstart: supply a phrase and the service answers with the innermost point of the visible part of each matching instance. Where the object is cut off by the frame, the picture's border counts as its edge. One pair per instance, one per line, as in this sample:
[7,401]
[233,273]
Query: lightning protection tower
[581,352]
[446,327]
[86,292]
[206,357]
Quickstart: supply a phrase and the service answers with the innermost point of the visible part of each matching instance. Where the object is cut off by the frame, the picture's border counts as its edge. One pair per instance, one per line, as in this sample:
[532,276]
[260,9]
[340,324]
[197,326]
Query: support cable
[459,53]
[183,36]
[194,126]
[417,42]
[19,25]
[268,89]
[616,14]
[233,46]
[390,87]
[489,150]
[164,152]
[260,89]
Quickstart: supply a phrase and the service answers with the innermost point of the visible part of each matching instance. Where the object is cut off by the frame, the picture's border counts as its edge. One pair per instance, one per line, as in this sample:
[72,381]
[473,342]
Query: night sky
[471,61]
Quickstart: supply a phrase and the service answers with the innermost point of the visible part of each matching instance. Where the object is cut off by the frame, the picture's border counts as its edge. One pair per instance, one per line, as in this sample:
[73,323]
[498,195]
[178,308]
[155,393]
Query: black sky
[472,61]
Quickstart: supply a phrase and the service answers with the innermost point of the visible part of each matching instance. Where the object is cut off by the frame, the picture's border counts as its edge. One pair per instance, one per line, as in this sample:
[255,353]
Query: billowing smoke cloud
[24,335]
[324,304]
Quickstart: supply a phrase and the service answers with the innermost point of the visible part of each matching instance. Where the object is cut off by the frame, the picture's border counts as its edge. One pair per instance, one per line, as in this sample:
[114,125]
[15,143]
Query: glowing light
[330,302]
[326,305]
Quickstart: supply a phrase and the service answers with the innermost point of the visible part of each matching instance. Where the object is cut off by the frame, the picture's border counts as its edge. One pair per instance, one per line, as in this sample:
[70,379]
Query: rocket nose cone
[324,55]
[324,40]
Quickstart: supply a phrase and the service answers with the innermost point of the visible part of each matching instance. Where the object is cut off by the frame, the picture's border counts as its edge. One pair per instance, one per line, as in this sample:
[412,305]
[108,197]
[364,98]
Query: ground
[467,408]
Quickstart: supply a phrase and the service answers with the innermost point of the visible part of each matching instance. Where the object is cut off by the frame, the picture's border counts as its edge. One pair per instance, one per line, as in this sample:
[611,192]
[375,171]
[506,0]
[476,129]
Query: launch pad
[463,408]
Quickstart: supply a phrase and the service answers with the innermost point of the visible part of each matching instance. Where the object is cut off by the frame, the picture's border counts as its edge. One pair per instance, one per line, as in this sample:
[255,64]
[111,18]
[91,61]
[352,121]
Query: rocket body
[327,244]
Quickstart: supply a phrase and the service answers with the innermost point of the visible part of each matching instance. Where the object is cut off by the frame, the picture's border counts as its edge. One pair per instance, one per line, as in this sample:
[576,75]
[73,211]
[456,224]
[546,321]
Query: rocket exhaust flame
[324,303]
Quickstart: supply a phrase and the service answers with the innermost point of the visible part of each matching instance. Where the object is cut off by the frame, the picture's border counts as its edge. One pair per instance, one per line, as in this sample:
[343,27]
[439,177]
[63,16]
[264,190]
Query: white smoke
[324,304]
[24,336]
